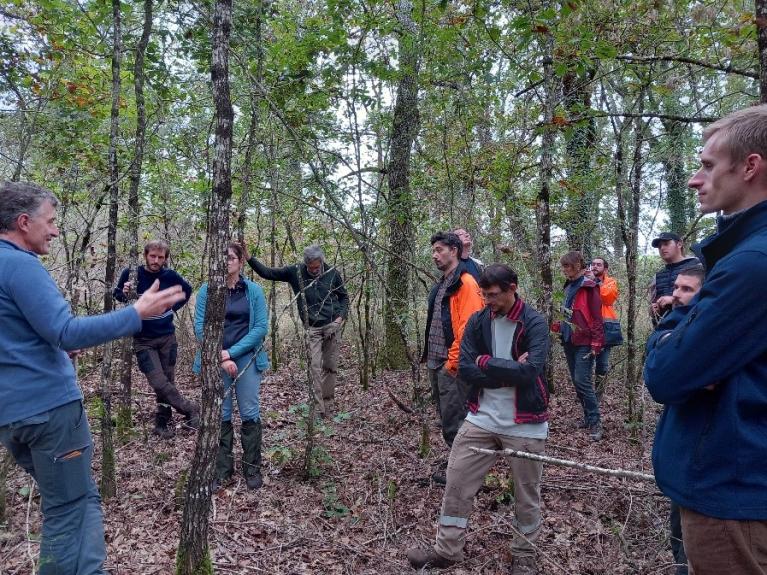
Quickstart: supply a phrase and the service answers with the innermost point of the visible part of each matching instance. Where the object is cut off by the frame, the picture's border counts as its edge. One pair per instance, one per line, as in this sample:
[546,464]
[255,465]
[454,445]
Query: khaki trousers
[719,546]
[323,358]
[466,471]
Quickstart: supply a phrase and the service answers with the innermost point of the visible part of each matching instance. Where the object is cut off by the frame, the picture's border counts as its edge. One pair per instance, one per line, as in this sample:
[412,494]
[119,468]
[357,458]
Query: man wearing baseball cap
[671,250]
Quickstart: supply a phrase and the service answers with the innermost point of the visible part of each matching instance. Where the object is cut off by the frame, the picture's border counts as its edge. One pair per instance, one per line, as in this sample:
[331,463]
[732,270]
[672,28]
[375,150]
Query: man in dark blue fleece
[155,345]
[708,363]
[42,421]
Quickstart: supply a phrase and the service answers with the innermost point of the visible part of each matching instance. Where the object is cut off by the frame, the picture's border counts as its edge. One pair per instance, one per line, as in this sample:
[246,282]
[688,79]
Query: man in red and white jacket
[503,360]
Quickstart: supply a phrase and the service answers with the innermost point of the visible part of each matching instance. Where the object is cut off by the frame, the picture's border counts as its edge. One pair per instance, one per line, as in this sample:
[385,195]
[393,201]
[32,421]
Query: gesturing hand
[155,301]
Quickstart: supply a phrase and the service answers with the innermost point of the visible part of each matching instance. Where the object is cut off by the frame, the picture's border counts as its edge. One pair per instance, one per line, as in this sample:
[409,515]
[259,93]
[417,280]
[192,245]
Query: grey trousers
[451,401]
[55,448]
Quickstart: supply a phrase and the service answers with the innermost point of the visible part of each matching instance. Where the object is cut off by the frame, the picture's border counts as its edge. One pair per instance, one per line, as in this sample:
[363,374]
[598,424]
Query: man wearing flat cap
[671,250]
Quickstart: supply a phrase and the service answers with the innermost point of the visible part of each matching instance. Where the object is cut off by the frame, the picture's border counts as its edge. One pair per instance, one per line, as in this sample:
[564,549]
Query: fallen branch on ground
[567,463]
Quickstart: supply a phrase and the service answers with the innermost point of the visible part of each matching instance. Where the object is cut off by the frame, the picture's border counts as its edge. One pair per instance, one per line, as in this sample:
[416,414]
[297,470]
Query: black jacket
[447,320]
[325,295]
[531,336]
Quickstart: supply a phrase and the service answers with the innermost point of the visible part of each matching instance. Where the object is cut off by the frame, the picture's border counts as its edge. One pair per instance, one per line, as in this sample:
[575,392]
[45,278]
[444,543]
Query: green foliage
[333,507]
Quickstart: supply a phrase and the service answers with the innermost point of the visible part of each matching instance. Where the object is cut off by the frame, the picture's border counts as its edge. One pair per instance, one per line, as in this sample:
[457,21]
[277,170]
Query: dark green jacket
[326,297]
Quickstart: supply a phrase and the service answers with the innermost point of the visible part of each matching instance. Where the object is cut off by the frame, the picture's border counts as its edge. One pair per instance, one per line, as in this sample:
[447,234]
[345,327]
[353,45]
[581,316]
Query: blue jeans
[247,390]
[55,448]
[603,361]
[580,362]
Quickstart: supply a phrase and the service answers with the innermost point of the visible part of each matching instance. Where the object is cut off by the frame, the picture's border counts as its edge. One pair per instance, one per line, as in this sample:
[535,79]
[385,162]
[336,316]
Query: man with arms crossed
[42,420]
[503,360]
[710,370]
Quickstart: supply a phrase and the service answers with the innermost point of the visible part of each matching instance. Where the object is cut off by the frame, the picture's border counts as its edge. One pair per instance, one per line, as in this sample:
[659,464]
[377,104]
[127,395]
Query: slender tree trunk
[193,556]
[542,204]
[761,38]
[108,476]
[6,461]
[253,140]
[124,415]
[634,414]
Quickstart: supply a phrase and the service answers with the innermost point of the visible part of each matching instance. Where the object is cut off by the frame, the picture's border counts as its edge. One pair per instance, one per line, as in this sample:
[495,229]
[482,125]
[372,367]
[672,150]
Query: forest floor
[371,497]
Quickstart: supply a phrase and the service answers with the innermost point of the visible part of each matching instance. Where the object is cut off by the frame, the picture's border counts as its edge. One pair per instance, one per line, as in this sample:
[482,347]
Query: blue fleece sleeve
[199,312]
[39,300]
[724,331]
[257,332]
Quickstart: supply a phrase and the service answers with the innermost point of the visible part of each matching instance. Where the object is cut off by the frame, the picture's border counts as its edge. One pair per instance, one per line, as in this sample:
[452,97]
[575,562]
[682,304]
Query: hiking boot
[595,432]
[439,477]
[254,481]
[163,422]
[250,435]
[524,566]
[224,457]
[420,558]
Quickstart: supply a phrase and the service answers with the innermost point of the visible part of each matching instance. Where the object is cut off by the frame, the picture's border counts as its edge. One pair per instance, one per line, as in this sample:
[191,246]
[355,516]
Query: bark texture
[193,556]
[108,475]
[400,215]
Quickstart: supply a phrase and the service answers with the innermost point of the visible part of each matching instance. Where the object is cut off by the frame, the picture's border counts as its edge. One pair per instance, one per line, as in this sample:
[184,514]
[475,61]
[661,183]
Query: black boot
[224,457]
[163,422]
[250,434]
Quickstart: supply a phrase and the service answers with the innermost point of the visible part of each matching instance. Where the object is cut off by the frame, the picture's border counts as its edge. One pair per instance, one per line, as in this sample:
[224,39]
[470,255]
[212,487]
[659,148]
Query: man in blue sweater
[155,345]
[708,363]
[42,420]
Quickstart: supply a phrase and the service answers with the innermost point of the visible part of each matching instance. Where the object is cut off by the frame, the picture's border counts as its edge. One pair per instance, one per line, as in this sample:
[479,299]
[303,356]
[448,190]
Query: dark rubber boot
[250,434]
[224,457]
[163,422]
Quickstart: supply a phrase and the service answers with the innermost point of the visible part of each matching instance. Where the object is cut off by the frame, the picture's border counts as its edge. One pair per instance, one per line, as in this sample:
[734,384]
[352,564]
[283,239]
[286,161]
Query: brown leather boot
[420,557]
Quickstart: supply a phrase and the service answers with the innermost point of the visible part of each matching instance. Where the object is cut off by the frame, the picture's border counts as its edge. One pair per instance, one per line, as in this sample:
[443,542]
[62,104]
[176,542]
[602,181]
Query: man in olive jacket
[323,307]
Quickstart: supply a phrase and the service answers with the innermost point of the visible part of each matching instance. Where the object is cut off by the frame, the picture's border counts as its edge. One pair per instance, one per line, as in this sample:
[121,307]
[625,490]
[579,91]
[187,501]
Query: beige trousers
[323,358]
[466,471]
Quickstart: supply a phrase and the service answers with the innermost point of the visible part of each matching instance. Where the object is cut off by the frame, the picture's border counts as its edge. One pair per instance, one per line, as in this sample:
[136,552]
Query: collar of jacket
[732,231]
[455,282]
[515,312]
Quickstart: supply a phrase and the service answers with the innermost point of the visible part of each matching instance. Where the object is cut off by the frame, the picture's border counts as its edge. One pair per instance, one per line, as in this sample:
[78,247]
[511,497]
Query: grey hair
[18,198]
[313,252]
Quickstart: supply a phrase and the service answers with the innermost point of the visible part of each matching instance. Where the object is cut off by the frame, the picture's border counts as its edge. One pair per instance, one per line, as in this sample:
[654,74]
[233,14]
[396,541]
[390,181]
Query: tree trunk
[124,415]
[108,479]
[581,212]
[634,414]
[401,240]
[193,556]
[253,140]
[677,192]
[542,203]
[761,38]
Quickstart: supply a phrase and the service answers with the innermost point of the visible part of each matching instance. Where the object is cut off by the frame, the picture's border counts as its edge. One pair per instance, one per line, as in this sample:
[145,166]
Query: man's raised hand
[155,301]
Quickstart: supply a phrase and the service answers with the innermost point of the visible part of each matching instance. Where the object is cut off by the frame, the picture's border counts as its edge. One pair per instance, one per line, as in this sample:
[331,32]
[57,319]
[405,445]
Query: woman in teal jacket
[242,362]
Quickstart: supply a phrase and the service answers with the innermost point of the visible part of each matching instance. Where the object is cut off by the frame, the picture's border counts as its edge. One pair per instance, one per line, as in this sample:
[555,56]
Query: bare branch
[567,463]
[728,68]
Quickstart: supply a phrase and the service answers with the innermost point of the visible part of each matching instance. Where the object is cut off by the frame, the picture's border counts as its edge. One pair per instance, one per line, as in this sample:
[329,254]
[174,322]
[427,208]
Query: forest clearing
[372,496]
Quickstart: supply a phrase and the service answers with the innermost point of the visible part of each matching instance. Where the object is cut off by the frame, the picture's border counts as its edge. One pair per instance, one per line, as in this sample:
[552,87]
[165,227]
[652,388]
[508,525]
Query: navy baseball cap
[665,236]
